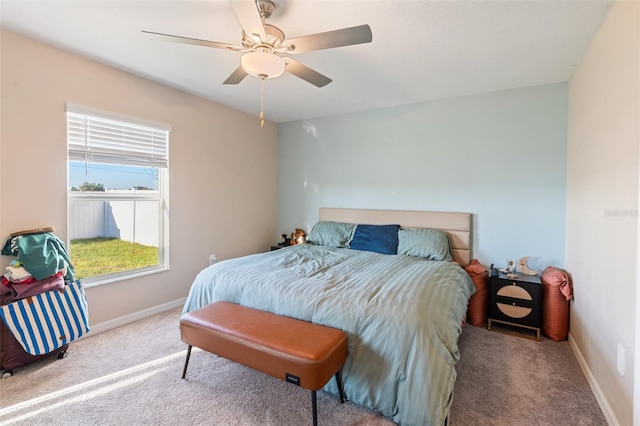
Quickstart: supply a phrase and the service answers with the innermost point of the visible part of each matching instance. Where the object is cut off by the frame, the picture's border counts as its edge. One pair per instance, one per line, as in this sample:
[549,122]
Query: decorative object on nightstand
[515,305]
[284,240]
[510,270]
[524,267]
[298,236]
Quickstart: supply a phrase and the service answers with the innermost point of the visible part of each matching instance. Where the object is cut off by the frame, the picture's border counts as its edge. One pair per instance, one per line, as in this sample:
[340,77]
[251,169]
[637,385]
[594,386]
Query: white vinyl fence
[135,221]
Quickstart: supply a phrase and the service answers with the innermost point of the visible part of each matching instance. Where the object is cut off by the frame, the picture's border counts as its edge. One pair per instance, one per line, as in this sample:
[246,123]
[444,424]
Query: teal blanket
[402,315]
[42,254]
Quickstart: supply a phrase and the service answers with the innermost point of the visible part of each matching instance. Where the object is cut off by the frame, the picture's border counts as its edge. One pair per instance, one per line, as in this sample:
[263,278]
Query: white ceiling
[421,50]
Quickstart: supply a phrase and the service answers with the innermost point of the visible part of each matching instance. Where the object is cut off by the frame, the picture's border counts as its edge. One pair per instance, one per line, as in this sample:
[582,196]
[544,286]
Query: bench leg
[340,387]
[314,408]
[186,362]
[314,398]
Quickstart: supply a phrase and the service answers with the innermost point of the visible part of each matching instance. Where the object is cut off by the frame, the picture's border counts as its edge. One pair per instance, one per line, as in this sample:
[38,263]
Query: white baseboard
[593,384]
[117,322]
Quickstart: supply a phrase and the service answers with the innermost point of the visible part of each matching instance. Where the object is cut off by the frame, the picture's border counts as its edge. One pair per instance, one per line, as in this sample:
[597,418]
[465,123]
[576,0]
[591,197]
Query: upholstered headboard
[456,225]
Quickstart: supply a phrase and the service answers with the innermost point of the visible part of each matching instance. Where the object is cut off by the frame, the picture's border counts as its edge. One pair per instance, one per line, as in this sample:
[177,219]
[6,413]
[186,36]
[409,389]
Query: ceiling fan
[265,48]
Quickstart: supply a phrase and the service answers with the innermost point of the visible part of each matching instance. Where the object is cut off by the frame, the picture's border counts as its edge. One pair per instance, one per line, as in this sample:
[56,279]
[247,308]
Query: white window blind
[103,139]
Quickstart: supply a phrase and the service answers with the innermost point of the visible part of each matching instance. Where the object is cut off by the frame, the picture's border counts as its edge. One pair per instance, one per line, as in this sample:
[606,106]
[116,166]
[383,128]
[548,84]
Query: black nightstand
[515,305]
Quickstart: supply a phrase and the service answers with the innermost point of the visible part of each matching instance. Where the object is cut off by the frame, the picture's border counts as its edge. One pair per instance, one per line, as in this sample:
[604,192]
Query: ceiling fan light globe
[262,65]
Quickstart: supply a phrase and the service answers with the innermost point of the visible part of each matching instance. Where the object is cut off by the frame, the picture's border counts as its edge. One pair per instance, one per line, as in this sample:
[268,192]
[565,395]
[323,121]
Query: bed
[402,312]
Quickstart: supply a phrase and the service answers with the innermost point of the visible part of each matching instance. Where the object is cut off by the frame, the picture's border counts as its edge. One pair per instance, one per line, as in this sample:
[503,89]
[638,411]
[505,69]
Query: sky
[112,176]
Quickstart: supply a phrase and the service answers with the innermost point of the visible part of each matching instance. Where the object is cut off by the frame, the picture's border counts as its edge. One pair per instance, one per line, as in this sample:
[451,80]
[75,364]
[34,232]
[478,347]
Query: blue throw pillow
[378,238]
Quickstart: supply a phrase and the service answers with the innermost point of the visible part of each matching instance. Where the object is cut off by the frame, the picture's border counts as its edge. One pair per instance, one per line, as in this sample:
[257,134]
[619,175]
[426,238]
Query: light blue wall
[500,156]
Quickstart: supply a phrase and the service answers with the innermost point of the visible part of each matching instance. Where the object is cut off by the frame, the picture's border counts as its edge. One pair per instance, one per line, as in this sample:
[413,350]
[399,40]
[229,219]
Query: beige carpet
[131,375]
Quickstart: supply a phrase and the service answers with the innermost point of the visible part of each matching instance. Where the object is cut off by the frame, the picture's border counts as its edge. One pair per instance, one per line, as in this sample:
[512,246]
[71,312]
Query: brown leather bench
[299,352]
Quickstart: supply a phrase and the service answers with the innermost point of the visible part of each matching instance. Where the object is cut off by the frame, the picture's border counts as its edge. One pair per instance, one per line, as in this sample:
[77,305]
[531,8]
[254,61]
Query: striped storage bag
[49,320]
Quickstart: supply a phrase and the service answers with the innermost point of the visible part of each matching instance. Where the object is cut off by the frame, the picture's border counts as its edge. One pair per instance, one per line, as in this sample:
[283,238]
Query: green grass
[99,256]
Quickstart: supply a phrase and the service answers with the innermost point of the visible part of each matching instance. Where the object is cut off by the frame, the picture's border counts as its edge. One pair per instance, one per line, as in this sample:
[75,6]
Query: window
[117,195]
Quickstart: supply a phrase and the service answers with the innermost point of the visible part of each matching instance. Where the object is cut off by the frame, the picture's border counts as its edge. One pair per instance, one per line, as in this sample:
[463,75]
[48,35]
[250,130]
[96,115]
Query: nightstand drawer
[516,312]
[515,289]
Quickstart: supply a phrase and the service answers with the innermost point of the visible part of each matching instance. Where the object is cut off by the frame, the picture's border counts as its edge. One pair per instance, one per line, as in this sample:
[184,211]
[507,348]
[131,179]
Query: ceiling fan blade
[307,74]
[236,77]
[249,17]
[330,39]
[189,40]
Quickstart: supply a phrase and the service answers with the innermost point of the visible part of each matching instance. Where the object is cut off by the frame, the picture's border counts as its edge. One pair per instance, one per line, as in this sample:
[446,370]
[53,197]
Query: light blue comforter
[402,315]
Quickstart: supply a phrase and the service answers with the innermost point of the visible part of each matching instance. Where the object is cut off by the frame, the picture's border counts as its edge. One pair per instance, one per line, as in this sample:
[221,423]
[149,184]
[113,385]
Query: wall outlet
[621,359]
[212,259]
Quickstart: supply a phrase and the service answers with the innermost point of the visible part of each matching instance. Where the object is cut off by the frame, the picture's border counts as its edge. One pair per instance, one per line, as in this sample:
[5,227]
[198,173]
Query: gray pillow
[431,244]
[331,234]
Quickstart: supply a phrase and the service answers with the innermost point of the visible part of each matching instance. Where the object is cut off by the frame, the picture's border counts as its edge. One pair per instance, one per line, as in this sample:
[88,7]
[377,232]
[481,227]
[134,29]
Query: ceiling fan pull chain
[262,103]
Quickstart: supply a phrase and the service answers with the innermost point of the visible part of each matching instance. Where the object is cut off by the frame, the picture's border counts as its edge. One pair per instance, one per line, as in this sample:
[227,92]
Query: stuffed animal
[298,236]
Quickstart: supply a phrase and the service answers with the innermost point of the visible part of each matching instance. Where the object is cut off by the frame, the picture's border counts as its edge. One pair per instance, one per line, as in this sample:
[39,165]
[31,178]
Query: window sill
[114,278]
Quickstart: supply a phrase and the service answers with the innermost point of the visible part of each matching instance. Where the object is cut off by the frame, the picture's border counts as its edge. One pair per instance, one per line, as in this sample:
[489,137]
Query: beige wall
[222,166]
[602,202]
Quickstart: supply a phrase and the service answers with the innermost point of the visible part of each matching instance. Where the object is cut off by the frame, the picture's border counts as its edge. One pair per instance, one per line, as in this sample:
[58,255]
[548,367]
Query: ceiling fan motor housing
[275,38]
